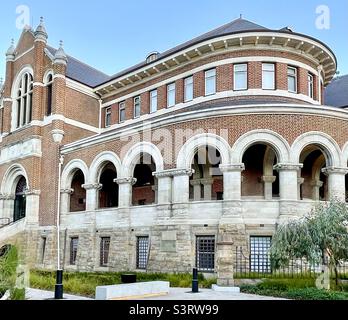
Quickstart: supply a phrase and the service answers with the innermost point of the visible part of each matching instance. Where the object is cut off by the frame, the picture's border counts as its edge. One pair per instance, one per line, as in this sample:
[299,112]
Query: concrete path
[174,294]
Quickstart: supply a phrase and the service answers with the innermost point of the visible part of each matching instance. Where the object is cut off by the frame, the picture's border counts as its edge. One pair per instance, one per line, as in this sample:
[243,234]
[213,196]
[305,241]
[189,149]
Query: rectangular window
[153,101]
[142,252]
[122,112]
[205,253]
[107,117]
[137,107]
[240,77]
[268,76]
[188,89]
[210,82]
[310,85]
[292,79]
[43,248]
[104,251]
[171,95]
[74,242]
[259,254]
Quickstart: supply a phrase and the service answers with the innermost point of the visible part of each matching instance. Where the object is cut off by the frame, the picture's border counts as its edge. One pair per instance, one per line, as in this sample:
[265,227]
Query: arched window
[49,86]
[24,100]
[20,200]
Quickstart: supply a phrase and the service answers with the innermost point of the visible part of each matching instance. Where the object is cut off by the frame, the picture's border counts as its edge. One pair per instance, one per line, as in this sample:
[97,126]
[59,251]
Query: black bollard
[195,281]
[58,292]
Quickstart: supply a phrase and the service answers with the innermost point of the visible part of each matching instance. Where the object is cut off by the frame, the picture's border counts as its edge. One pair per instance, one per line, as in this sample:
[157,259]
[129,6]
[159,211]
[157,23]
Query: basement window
[205,253]
[259,254]
[142,252]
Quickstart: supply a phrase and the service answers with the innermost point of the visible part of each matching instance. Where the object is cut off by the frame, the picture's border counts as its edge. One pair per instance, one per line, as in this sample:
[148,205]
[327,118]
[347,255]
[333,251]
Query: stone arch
[345,155]
[99,162]
[190,148]
[268,137]
[69,171]
[11,178]
[46,75]
[131,158]
[25,69]
[324,142]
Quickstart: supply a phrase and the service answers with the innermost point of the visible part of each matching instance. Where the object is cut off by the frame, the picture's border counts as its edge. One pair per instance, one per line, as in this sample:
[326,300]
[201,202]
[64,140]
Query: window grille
[205,253]
[104,251]
[259,254]
[73,250]
[142,252]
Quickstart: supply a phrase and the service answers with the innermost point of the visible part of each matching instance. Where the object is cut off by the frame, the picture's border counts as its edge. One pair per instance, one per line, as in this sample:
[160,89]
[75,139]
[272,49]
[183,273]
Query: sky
[113,35]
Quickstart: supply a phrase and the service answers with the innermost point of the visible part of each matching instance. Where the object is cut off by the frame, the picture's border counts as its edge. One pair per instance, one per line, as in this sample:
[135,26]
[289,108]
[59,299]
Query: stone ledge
[225,289]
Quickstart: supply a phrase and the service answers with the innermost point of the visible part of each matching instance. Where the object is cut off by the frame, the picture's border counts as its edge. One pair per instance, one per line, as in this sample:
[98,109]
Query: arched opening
[207,181]
[313,182]
[78,196]
[24,100]
[144,190]
[260,180]
[20,202]
[108,194]
[49,91]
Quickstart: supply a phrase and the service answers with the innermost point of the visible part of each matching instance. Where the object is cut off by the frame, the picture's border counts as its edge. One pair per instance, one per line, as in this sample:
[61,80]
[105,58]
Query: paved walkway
[174,294]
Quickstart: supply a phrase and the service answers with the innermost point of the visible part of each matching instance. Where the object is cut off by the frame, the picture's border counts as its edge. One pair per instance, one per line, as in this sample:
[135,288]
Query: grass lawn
[84,283]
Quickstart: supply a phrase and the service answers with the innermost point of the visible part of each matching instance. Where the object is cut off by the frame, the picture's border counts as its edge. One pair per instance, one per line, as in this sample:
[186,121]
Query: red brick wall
[143,193]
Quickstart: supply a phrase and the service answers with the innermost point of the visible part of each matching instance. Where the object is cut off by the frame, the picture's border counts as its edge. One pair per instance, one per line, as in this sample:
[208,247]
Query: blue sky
[113,35]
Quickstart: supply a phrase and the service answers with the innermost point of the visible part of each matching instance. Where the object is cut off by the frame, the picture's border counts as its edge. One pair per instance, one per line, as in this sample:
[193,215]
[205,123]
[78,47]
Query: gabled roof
[336,93]
[81,72]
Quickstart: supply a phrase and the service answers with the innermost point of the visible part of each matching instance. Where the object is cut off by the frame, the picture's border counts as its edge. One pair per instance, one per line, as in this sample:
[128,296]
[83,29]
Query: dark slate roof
[81,72]
[336,93]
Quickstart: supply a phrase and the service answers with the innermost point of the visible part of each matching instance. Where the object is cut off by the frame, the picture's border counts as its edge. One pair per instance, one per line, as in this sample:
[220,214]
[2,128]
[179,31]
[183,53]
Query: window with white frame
[268,76]
[188,89]
[310,85]
[137,107]
[153,101]
[292,79]
[107,117]
[24,100]
[49,89]
[104,251]
[171,95]
[259,254]
[205,253]
[240,77]
[210,82]
[122,112]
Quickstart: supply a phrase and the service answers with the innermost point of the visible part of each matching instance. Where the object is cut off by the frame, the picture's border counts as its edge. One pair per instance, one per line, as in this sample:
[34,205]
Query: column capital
[268,179]
[173,173]
[6,197]
[232,167]
[334,170]
[300,181]
[96,186]
[288,167]
[67,191]
[317,183]
[33,193]
[207,181]
[130,180]
[195,182]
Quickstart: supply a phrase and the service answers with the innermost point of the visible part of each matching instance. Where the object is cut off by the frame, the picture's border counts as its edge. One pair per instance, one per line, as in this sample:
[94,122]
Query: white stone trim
[98,163]
[59,76]
[24,53]
[8,186]
[271,138]
[221,63]
[69,171]
[74,85]
[331,149]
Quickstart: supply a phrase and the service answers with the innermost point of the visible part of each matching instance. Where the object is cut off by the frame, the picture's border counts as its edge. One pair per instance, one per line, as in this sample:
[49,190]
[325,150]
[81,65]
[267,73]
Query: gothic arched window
[20,200]
[24,100]
[49,86]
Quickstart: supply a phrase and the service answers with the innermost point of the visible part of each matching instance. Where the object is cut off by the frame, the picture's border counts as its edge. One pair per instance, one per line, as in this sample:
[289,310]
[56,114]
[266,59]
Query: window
[20,200]
[107,117]
[74,242]
[104,251]
[122,112]
[153,101]
[292,79]
[210,82]
[137,107]
[259,254]
[188,90]
[49,87]
[24,100]
[240,76]
[268,76]
[310,85]
[205,253]
[142,252]
[43,248]
[171,95]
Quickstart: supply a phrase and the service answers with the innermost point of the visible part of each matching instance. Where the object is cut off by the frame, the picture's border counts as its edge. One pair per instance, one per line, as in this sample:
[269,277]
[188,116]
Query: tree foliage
[321,237]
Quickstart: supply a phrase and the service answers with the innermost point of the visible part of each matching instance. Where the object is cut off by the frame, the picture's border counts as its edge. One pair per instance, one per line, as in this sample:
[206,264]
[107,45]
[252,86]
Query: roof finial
[12,42]
[41,20]
[61,43]
[11,51]
[40,32]
[241,16]
[60,56]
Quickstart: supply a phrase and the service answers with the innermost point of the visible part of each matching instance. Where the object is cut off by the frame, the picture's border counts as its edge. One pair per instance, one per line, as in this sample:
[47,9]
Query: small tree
[320,237]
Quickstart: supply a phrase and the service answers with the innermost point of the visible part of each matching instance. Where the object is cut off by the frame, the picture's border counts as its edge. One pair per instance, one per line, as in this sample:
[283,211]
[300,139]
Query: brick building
[174,162]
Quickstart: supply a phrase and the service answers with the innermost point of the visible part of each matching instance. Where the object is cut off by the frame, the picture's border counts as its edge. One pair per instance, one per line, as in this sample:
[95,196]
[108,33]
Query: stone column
[125,191]
[164,187]
[316,185]
[65,200]
[225,252]
[92,195]
[6,206]
[207,185]
[268,183]
[196,189]
[300,182]
[32,207]
[337,182]
[181,193]
[288,181]
[232,176]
